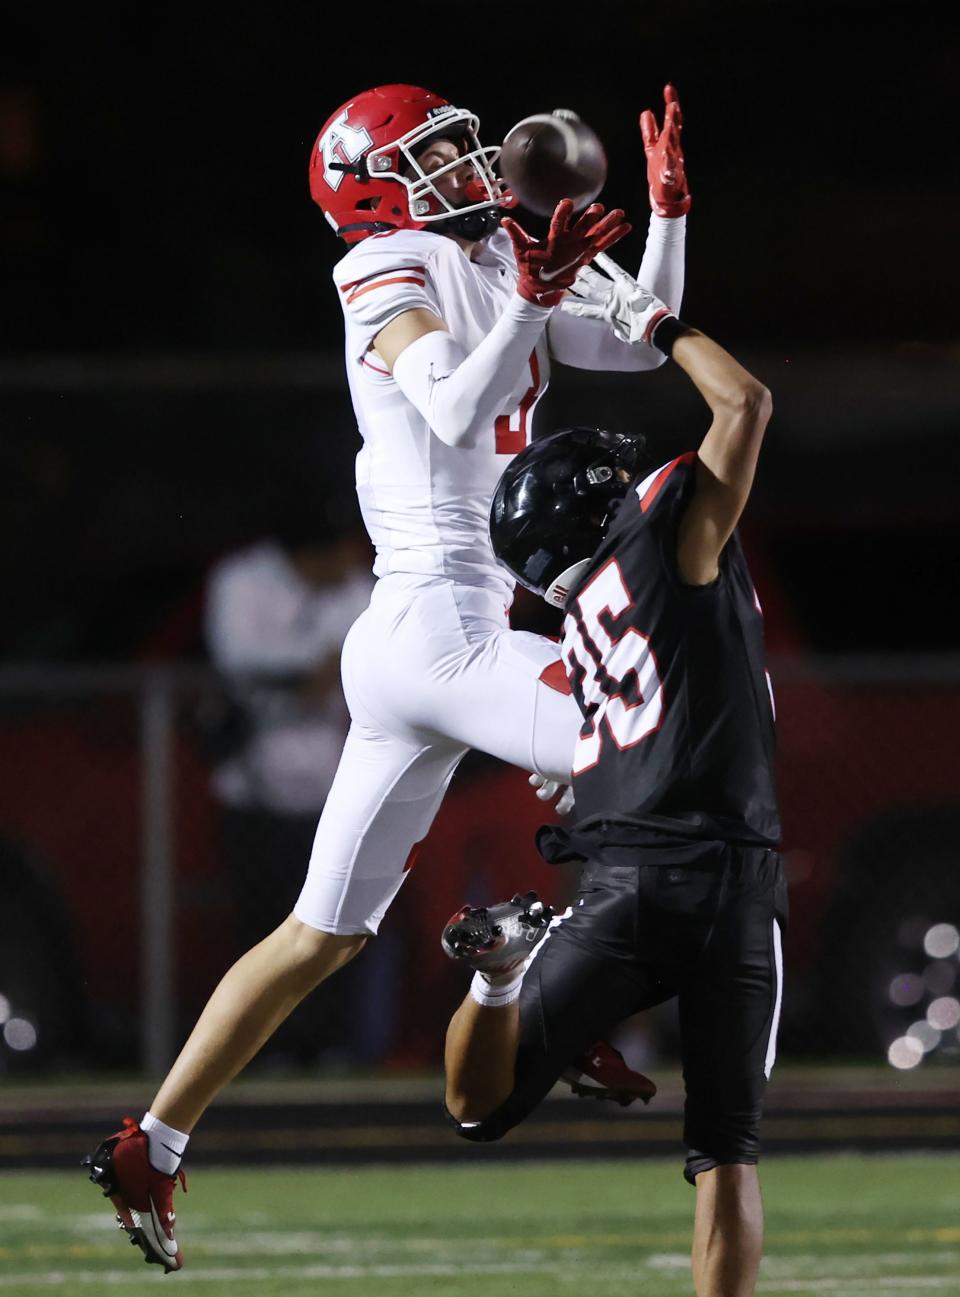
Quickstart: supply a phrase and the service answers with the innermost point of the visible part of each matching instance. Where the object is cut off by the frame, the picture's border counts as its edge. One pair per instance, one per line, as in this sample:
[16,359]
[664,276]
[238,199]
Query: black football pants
[697,920]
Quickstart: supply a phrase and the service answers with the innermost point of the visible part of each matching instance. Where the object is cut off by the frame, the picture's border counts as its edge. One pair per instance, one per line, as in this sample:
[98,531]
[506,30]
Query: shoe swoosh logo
[169,1245]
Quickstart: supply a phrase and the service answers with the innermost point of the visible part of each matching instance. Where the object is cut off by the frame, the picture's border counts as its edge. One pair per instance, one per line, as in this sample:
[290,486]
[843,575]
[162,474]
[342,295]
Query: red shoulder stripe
[382,283]
[653,490]
[378,274]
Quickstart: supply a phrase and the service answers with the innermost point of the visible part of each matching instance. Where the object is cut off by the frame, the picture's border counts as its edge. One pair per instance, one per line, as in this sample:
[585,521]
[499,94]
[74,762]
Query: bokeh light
[905,1053]
[928,1037]
[20,1035]
[944,1014]
[940,976]
[906,989]
[4,1009]
[942,941]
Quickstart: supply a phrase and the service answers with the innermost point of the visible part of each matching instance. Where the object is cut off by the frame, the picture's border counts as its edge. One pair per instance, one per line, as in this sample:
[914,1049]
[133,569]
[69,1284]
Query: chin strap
[471,225]
[372,227]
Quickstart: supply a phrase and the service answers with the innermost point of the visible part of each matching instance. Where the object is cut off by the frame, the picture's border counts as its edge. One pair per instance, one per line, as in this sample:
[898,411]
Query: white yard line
[21,1211]
[258,1274]
[899,1283]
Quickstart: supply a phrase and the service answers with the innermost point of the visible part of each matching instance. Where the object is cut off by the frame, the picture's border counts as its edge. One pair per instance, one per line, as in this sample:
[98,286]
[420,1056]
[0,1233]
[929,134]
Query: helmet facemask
[398,161]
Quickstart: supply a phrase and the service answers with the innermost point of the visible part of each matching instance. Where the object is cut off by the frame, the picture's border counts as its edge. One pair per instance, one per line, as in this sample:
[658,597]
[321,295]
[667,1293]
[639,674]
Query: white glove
[547,789]
[630,310]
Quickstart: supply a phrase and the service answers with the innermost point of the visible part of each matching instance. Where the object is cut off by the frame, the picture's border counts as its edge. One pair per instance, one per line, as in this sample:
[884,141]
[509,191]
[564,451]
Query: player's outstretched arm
[727,459]
[662,268]
[661,274]
[461,395]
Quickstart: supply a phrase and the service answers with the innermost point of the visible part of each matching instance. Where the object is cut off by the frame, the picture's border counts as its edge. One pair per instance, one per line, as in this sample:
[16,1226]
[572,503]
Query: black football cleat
[601,1072]
[491,938]
[142,1196]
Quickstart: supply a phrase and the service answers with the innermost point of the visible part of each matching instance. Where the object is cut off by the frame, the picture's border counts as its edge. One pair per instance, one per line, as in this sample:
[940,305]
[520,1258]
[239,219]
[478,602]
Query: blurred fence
[120,908]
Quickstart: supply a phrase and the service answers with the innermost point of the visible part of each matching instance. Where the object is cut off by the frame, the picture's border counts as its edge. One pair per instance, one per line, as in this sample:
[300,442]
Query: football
[550,156]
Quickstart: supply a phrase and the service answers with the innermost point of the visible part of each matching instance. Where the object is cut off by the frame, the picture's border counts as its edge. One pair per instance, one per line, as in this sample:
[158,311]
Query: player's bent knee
[462,1105]
[483,1130]
[318,954]
[474,1118]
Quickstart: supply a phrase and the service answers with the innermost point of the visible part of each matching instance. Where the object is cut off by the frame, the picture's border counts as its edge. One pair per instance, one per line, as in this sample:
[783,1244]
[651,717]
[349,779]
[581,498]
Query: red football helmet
[370,145]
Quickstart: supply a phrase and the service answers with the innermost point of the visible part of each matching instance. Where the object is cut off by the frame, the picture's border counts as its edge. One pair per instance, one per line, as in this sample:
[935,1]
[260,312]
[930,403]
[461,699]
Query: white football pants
[430,670]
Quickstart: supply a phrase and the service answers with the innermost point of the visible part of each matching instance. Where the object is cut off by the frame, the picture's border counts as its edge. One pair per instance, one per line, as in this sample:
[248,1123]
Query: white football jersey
[425,504]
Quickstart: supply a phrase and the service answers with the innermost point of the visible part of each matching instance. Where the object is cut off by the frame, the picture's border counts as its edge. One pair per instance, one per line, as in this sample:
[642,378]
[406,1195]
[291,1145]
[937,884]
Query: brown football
[550,156]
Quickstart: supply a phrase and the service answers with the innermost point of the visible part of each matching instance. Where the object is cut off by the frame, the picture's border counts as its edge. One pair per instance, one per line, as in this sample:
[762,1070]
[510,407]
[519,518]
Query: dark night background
[171,383]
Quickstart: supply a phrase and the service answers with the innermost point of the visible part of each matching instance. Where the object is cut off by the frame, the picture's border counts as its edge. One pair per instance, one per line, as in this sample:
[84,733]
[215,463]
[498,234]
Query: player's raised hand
[547,267]
[615,297]
[666,173]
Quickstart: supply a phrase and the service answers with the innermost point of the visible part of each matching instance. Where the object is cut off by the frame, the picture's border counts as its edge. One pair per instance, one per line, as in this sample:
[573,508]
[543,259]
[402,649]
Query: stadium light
[907,989]
[928,1037]
[20,1035]
[942,941]
[904,1053]
[944,1014]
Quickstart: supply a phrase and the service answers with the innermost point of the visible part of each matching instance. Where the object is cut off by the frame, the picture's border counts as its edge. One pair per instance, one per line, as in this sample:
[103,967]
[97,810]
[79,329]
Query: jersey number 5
[610,668]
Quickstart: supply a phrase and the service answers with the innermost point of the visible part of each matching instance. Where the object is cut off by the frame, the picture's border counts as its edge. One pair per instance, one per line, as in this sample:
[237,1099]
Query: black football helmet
[552,506]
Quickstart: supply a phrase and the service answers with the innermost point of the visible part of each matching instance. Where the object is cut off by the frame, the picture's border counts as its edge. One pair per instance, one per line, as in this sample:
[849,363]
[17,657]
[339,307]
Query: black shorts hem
[697,1163]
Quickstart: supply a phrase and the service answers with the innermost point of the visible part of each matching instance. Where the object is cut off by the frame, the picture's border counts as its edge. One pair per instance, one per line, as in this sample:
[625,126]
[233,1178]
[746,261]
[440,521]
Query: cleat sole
[622,1097]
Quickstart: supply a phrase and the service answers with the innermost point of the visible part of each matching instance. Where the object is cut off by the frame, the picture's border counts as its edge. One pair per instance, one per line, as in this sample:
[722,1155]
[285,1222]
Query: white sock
[165,1146]
[498,992]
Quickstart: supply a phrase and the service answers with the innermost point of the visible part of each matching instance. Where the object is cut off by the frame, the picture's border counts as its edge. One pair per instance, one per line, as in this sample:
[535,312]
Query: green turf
[850,1226]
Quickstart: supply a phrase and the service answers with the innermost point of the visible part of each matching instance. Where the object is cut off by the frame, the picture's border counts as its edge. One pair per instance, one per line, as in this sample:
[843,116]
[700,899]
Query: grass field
[846,1225]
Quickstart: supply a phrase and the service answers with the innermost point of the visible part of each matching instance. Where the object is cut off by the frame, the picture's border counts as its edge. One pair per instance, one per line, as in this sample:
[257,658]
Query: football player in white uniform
[452,318]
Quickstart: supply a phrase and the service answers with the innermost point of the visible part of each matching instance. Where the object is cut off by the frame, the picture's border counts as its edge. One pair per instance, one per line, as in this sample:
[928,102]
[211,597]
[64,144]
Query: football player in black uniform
[682,892]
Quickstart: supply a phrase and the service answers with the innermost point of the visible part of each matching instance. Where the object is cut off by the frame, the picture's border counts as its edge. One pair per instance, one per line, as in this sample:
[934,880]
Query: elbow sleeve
[422,371]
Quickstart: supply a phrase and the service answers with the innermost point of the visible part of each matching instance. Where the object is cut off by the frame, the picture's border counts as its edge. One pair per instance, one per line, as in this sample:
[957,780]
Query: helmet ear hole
[369,204]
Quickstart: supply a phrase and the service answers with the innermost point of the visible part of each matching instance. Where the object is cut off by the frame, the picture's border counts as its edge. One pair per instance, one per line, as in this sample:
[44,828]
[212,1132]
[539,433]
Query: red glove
[549,266]
[669,195]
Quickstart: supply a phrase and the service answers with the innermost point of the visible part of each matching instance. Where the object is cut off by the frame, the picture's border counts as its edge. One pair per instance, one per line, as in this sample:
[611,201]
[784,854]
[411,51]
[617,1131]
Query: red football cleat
[142,1196]
[602,1073]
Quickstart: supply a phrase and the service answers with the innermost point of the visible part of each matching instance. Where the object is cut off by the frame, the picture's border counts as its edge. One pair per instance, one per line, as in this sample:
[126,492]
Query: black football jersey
[678,729]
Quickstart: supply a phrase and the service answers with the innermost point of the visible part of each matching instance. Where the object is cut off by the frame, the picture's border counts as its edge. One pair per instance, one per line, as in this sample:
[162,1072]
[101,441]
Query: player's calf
[496,942]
